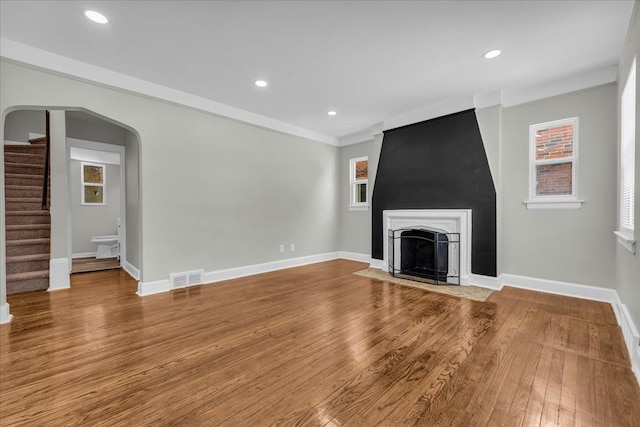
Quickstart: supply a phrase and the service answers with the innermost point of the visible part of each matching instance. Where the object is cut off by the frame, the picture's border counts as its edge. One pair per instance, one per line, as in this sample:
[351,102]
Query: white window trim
[353,206]
[535,202]
[625,234]
[93,184]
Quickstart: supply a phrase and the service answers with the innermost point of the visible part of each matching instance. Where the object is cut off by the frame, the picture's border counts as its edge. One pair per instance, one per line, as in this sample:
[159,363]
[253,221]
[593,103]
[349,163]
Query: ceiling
[369,61]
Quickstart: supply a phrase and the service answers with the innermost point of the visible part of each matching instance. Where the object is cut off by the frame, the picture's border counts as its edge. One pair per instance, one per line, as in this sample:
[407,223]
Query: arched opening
[76,134]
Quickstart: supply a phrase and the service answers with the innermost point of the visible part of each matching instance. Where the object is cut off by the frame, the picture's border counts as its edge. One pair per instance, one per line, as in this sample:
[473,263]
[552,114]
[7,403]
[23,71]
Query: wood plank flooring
[85,265]
[315,345]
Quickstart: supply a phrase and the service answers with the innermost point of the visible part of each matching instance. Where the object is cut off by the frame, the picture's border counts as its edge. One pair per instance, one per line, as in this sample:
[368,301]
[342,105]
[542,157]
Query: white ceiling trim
[505,97]
[508,97]
[517,96]
[32,56]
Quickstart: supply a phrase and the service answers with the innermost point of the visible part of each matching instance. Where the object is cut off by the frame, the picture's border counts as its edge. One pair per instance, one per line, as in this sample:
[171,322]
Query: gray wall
[132,173]
[355,226]
[215,193]
[59,196]
[627,265]
[19,123]
[565,245]
[490,124]
[81,125]
[88,221]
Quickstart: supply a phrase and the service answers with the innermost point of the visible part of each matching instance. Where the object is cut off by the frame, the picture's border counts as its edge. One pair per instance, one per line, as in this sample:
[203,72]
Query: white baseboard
[158,286]
[5,316]
[133,272]
[631,338]
[83,255]
[59,274]
[485,281]
[377,263]
[353,256]
[559,288]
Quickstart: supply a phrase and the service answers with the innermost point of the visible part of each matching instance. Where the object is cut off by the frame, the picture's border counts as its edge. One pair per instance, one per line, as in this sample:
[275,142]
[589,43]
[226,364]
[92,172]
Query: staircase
[28,226]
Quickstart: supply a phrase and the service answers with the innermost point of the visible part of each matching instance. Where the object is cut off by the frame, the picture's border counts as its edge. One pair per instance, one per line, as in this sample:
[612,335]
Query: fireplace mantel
[443,220]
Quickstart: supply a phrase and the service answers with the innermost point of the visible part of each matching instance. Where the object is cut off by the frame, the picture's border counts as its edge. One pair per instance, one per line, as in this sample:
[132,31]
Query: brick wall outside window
[554,180]
[554,143]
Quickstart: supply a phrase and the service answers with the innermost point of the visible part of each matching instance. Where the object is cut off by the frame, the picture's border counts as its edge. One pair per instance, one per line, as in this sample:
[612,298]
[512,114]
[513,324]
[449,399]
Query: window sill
[359,207]
[626,240]
[553,204]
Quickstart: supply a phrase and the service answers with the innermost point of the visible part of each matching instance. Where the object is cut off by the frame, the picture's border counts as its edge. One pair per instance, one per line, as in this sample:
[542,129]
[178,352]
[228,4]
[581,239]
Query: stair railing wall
[45,184]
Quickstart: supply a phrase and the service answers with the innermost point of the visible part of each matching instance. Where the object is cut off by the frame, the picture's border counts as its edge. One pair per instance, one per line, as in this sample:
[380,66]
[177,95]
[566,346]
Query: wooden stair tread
[20,147]
[27,213]
[39,140]
[18,227]
[23,242]
[23,199]
[27,258]
[28,275]
[26,165]
[22,187]
[23,175]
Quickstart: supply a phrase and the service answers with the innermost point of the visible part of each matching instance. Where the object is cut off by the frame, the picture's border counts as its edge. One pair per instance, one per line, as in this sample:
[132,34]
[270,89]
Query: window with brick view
[553,160]
[359,180]
[552,144]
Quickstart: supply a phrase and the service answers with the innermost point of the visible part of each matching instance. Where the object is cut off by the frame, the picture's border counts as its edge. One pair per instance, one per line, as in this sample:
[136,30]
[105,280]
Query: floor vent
[187,278]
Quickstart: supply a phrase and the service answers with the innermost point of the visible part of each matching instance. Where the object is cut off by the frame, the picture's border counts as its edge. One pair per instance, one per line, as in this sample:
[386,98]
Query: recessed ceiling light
[332,113]
[96,16]
[261,83]
[492,54]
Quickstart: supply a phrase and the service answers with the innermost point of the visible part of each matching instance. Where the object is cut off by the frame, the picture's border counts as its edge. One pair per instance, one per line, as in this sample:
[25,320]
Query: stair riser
[25,149]
[23,267]
[41,248]
[31,170]
[28,234]
[12,193]
[22,206]
[31,159]
[29,285]
[27,219]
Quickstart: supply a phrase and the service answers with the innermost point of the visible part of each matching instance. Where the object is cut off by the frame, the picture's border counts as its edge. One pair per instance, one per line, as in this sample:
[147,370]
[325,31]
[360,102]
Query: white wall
[93,220]
[215,193]
[627,265]
[564,245]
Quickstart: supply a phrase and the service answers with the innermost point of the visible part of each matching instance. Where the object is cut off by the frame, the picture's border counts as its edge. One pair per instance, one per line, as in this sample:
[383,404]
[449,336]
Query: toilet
[108,246]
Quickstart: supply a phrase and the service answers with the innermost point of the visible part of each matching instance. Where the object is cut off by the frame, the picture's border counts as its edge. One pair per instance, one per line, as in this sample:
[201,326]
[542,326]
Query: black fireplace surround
[438,164]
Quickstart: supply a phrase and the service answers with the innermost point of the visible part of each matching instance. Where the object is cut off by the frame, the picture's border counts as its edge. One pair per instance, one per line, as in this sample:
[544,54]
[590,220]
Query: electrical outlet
[293,247]
[281,249]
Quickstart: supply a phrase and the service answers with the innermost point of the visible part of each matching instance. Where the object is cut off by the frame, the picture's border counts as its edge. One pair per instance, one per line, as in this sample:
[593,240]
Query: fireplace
[422,225]
[423,254]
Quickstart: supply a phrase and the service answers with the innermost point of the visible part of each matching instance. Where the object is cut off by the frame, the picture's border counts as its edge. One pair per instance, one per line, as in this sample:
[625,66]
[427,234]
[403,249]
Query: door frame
[111,148]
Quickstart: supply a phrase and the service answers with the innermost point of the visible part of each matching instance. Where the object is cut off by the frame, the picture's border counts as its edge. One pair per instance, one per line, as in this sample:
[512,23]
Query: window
[627,161]
[93,179]
[359,180]
[553,165]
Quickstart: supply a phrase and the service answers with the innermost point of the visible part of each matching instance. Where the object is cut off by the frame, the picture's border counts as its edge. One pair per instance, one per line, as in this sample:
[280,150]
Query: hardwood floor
[85,265]
[315,345]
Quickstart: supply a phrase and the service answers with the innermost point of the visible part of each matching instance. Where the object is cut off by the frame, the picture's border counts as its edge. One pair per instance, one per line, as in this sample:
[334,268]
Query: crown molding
[51,62]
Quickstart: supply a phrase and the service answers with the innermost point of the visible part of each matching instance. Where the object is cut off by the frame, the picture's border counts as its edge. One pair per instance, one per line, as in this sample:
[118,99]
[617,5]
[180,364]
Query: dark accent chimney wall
[438,164]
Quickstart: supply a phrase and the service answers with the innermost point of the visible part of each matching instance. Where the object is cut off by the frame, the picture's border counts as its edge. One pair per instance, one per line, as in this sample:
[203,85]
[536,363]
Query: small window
[553,163]
[627,165]
[359,182]
[93,177]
